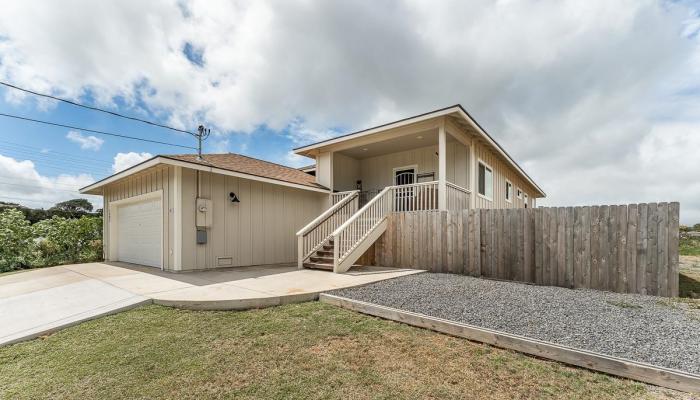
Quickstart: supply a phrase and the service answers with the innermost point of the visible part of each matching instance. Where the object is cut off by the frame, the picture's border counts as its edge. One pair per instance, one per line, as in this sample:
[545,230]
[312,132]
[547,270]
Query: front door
[404,176]
[404,196]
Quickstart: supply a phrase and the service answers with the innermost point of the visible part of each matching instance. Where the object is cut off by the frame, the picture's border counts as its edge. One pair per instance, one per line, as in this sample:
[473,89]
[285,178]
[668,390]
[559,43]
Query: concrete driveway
[37,302]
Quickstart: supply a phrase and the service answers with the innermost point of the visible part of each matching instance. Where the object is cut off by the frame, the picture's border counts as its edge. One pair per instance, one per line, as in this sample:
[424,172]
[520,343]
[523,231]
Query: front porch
[428,165]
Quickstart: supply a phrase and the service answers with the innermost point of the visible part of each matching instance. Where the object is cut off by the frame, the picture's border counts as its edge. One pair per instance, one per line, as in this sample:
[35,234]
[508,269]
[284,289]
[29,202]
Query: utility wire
[32,200]
[96,108]
[41,187]
[22,154]
[65,185]
[48,152]
[93,131]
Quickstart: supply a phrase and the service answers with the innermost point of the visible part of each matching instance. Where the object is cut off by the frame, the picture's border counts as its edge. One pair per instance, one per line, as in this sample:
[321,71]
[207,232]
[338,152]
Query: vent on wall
[224,261]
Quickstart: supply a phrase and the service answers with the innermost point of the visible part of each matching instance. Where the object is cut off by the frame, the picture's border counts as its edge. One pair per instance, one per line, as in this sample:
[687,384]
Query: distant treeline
[74,208]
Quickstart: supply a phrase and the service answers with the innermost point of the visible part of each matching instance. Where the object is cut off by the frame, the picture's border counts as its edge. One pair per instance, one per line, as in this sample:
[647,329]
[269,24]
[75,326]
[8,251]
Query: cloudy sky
[598,100]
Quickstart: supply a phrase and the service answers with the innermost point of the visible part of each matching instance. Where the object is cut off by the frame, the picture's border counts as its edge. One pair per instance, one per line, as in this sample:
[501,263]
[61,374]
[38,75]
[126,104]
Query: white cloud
[574,90]
[123,161]
[295,160]
[21,183]
[85,142]
[218,146]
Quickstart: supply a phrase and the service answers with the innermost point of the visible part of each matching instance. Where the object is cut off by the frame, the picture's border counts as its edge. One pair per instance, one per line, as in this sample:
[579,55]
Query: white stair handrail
[362,210]
[351,233]
[327,213]
[317,232]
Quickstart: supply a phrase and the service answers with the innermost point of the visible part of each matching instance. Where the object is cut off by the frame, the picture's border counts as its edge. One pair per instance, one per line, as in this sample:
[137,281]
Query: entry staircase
[337,238]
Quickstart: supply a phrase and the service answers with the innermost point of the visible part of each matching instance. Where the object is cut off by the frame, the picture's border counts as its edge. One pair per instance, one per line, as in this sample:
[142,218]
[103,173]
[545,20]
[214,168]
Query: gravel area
[650,329]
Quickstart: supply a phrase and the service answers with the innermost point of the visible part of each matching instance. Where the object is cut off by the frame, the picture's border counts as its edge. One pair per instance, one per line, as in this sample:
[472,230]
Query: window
[509,192]
[520,193]
[485,181]
[525,199]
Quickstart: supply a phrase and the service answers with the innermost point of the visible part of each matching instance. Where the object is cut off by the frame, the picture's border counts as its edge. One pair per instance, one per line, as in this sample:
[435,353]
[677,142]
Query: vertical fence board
[621,232]
[673,250]
[475,233]
[539,246]
[561,247]
[642,247]
[632,221]
[595,248]
[652,258]
[662,250]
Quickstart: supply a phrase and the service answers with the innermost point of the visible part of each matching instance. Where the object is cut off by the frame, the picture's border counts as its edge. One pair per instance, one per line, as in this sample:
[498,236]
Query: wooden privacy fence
[628,249]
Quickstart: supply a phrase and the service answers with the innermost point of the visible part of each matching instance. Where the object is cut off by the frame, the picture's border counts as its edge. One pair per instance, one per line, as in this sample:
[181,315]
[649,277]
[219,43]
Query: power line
[93,131]
[49,152]
[17,153]
[50,157]
[73,187]
[40,187]
[96,109]
[22,199]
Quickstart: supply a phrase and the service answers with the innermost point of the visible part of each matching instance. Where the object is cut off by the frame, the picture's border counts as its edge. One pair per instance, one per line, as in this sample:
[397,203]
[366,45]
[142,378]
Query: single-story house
[185,212]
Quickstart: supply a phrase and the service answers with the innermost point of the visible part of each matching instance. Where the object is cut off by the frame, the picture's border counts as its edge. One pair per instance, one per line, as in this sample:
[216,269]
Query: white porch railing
[457,197]
[337,196]
[315,234]
[416,197]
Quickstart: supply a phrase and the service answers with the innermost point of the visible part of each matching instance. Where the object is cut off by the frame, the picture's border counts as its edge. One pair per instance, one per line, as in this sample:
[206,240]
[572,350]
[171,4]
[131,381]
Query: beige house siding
[147,181]
[261,229]
[501,172]
[346,172]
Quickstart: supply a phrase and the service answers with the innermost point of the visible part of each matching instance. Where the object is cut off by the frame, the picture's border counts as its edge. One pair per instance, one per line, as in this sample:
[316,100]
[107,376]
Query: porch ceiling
[408,142]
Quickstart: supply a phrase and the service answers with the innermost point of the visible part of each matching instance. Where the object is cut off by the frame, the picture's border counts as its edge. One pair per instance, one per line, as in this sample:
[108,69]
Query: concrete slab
[37,302]
[35,280]
[39,312]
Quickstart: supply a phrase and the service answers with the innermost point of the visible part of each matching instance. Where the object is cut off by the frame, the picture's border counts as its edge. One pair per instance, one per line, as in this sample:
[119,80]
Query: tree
[696,227]
[71,208]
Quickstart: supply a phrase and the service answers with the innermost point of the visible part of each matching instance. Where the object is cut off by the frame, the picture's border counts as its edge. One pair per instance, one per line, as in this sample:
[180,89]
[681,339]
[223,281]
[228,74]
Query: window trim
[519,193]
[485,164]
[509,200]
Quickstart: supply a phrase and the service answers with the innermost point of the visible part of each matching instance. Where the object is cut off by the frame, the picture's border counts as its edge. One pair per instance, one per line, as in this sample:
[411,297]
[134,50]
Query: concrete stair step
[323,266]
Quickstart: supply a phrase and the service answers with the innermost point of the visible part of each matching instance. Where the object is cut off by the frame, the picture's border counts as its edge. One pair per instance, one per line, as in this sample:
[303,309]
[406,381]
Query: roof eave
[96,188]
[457,108]
[305,150]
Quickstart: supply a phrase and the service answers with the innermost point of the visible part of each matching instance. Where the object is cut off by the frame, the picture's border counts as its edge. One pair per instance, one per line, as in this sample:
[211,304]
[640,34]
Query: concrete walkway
[37,302]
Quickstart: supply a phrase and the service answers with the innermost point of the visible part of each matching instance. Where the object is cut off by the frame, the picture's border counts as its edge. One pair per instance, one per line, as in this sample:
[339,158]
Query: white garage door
[139,230]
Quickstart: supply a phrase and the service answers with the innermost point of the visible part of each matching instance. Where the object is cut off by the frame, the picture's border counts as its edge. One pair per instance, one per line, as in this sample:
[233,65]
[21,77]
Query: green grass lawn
[309,350]
[690,246]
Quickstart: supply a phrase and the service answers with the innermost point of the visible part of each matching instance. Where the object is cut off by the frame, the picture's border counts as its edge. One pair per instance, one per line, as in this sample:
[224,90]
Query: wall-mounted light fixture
[233,198]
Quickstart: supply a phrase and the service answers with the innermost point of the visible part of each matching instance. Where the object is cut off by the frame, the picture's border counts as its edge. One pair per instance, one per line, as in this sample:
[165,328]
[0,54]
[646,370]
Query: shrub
[48,242]
[62,240]
[17,244]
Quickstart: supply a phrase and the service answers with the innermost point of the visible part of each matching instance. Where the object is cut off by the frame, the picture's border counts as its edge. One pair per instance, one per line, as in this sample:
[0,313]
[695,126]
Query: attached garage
[180,213]
[137,230]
